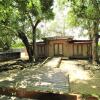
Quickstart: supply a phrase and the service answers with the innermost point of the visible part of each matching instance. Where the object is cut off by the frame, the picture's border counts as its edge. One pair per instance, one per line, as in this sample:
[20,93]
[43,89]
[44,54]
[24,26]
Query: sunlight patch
[82,75]
[75,72]
[7,78]
[42,83]
[94,87]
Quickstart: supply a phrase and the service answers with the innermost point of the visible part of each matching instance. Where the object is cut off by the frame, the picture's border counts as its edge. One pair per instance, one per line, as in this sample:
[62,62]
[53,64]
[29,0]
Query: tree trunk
[90,34]
[24,39]
[34,39]
[34,43]
[95,58]
[34,26]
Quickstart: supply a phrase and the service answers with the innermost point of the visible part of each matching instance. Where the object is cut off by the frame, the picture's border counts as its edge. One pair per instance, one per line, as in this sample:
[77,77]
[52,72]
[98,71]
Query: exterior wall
[52,48]
[62,47]
[69,50]
[46,50]
[81,50]
[66,47]
[41,51]
[74,49]
[85,50]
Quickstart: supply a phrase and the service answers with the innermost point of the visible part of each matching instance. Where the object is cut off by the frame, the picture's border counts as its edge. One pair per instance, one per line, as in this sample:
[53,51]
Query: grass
[91,86]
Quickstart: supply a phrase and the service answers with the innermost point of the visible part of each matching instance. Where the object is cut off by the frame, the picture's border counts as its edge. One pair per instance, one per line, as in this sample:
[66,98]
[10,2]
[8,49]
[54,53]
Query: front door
[58,49]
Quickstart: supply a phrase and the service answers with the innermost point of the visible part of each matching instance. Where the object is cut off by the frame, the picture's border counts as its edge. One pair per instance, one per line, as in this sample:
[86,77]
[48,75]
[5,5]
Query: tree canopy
[86,13]
[21,18]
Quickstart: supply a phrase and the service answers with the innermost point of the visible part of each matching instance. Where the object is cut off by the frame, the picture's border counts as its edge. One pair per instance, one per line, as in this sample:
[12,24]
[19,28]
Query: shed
[64,46]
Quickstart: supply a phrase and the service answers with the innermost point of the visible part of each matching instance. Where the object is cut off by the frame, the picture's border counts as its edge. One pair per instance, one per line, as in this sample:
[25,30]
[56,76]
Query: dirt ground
[84,77]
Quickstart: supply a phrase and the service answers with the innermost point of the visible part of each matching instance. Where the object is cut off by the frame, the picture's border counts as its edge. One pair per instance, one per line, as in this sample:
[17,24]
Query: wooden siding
[64,47]
[81,50]
[41,51]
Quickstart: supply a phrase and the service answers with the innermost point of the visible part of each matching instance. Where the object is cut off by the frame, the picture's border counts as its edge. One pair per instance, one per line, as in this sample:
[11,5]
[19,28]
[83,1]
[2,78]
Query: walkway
[46,78]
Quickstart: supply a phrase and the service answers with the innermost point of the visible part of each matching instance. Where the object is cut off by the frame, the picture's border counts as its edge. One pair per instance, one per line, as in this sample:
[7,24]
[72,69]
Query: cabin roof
[66,38]
[80,41]
[40,43]
[58,37]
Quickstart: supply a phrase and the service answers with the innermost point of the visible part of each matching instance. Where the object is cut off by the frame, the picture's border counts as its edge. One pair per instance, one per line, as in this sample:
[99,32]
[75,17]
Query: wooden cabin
[64,46]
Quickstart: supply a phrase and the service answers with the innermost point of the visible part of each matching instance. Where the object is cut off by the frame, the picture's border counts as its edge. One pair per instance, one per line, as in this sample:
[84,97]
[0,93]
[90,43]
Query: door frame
[58,49]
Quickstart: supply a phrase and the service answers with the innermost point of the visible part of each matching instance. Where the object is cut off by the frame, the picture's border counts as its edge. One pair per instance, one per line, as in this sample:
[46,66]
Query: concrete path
[54,62]
[45,78]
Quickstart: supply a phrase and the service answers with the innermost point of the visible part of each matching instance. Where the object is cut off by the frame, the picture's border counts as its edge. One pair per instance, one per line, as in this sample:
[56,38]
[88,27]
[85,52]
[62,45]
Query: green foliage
[6,38]
[72,19]
[85,8]
[90,11]
[37,8]
[17,45]
[46,5]
[14,17]
[83,13]
[61,3]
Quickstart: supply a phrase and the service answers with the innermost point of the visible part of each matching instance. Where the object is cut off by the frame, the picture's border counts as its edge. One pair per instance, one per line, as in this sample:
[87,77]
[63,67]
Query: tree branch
[30,19]
[37,22]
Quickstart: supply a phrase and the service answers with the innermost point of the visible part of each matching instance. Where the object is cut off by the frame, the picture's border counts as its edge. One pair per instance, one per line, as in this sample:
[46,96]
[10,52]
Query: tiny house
[65,47]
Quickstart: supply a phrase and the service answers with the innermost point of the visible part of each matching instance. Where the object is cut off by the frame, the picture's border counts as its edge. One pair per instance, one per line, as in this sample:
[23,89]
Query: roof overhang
[81,41]
[59,38]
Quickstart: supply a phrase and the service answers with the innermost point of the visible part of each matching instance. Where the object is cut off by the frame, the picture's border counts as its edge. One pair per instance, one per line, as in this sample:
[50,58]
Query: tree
[5,41]
[87,12]
[25,16]
[5,36]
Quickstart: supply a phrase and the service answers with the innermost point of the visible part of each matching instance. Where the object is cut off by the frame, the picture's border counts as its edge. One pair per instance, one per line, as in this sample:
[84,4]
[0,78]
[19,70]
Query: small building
[64,46]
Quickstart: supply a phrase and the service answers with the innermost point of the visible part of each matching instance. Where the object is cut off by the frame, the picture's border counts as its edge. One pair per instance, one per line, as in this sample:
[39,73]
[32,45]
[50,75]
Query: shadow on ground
[44,96]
